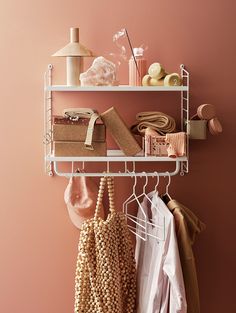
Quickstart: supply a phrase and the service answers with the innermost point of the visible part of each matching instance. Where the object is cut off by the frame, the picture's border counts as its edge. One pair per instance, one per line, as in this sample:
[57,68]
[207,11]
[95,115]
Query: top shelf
[116,88]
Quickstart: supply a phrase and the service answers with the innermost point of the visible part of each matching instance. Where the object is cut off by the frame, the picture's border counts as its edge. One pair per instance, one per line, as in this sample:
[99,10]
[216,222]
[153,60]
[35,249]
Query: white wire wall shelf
[115,88]
[51,161]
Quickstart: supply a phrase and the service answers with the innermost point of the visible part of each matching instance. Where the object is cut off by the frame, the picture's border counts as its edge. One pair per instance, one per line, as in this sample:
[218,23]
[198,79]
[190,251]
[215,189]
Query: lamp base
[74,66]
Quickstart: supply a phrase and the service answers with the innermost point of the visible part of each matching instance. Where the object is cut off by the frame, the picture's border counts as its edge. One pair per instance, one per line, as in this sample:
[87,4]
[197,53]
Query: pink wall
[37,241]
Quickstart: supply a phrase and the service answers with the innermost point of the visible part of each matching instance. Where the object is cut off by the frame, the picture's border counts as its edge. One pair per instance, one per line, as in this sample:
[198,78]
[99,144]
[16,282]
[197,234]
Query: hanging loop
[169,181]
[146,182]
[135,182]
[158,179]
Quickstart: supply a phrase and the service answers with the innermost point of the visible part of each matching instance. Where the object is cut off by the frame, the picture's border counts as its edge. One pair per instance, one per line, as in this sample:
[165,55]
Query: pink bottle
[135,76]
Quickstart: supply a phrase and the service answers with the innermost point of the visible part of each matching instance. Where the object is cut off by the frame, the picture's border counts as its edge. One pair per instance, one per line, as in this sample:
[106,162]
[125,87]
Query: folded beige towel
[160,122]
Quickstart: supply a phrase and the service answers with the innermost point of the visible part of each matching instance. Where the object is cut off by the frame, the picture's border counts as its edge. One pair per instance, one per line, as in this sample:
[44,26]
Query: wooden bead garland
[105,280]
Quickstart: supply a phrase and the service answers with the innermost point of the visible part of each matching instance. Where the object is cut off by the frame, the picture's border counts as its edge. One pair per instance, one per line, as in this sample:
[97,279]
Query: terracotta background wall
[38,244]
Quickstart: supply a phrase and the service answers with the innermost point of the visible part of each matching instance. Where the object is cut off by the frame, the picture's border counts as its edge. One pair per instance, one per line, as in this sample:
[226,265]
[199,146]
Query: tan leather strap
[110,184]
[89,135]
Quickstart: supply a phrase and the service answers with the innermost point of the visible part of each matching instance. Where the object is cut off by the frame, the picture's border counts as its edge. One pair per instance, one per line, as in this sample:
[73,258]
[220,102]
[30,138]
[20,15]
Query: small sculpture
[101,73]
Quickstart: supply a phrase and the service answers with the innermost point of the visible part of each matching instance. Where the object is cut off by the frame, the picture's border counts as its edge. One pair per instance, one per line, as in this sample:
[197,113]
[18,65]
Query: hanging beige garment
[187,226]
[105,276]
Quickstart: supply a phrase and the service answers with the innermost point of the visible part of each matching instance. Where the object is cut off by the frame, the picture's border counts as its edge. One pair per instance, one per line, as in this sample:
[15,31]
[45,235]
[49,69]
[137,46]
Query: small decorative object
[137,67]
[154,144]
[196,129]
[149,81]
[172,144]
[205,116]
[156,71]
[120,132]
[214,126]
[172,80]
[74,53]
[157,76]
[101,73]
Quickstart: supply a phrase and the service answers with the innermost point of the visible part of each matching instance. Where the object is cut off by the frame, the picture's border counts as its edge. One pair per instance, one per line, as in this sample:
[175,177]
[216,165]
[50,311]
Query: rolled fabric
[158,121]
[172,80]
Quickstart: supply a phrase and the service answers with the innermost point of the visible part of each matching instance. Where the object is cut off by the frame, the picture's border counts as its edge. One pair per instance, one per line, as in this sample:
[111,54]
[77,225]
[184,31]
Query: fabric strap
[89,135]
[77,113]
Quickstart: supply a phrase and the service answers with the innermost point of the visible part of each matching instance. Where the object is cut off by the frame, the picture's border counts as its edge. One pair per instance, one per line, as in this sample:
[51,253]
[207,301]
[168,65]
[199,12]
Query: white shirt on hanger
[160,279]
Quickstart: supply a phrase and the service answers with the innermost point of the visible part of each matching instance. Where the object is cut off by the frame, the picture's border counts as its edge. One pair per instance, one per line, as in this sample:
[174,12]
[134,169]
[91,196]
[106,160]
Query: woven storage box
[63,148]
[120,132]
[69,138]
[67,130]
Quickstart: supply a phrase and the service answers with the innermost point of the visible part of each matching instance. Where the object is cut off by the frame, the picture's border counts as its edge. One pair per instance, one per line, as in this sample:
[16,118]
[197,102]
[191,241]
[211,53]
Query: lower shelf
[114,156]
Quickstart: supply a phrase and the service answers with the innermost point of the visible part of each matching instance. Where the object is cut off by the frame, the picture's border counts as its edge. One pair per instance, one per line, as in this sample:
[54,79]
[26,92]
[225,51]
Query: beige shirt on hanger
[160,280]
[187,227]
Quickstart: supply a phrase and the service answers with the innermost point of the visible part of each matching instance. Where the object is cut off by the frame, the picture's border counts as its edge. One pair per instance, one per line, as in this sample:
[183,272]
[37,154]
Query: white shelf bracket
[185,116]
[48,120]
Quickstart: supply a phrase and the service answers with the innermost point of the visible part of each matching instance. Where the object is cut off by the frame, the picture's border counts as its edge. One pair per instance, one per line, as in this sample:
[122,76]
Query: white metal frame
[185,116]
[51,161]
[48,120]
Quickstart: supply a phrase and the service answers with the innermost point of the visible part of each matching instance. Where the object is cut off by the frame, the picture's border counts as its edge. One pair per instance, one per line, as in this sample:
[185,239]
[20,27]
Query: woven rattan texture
[105,279]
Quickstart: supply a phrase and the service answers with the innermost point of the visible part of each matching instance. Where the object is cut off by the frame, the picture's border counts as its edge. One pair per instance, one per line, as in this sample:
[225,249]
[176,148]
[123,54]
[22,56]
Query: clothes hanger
[157,183]
[133,218]
[166,197]
[137,230]
[144,188]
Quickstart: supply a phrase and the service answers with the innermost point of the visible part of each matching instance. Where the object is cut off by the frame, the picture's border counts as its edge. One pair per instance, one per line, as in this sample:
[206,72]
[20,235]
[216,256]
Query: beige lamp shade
[74,53]
[73,48]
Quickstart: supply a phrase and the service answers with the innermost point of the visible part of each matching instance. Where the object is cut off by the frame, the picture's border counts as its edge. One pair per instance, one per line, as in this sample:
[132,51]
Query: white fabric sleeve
[172,268]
